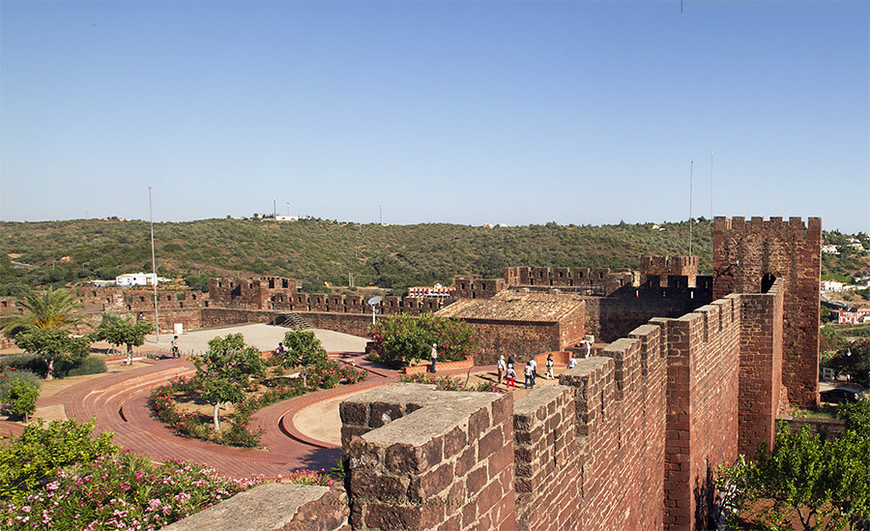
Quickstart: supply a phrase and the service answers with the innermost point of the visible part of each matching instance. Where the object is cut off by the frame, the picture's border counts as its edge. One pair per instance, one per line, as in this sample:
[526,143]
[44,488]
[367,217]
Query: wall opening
[767,281]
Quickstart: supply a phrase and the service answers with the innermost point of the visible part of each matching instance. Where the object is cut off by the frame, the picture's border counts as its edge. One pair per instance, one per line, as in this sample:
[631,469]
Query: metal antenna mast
[153,268]
[711,186]
[691,174]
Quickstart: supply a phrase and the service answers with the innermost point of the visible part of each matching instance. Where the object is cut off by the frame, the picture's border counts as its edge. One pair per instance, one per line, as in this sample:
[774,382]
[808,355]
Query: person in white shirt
[501,365]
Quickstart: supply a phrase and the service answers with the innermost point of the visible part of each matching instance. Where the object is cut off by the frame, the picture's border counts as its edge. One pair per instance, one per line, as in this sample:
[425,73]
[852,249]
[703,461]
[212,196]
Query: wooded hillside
[317,251]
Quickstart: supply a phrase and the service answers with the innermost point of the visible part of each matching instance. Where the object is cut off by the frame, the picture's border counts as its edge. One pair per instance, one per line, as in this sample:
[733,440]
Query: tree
[119,331]
[303,348]
[53,344]
[820,484]
[22,398]
[226,369]
[53,308]
[854,359]
[400,339]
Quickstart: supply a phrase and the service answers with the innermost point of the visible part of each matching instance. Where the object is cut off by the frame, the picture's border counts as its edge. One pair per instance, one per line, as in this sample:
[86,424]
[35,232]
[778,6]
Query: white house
[832,285]
[136,279]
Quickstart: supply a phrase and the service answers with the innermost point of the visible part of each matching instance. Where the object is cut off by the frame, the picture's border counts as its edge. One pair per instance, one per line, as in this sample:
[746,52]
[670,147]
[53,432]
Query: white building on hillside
[136,279]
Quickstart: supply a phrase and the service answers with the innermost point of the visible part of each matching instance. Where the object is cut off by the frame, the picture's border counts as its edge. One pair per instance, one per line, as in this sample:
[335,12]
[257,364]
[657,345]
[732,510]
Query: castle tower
[748,257]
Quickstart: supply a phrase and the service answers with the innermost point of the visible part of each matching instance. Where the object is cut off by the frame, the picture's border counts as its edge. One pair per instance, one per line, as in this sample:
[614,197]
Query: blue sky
[462,112]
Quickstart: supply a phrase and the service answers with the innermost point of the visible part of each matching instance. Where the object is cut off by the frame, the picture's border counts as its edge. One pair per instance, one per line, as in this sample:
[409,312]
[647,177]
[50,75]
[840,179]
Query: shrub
[8,376]
[325,376]
[89,365]
[22,398]
[25,362]
[303,348]
[126,491]
[41,450]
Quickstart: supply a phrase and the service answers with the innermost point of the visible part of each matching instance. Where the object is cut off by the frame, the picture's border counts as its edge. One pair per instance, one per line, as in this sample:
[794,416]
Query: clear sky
[463,112]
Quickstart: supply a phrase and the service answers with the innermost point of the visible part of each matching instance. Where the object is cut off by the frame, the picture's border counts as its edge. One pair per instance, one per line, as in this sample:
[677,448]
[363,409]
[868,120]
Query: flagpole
[153,268]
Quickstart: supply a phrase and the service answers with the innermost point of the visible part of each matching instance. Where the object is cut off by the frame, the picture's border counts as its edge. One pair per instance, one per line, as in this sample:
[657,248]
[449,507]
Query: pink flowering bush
[66,479]
[310,477]
[192,425]
[121,492]
[328,375]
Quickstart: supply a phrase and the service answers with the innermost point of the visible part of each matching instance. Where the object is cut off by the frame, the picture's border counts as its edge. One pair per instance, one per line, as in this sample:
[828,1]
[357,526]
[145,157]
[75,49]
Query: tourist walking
[530,376]
[501,365]
[434,355]
[534,365]
[174,352]
[586,348]
[549,364]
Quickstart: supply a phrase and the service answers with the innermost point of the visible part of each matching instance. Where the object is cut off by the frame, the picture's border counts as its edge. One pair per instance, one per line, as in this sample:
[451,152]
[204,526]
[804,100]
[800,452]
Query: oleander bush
[122,491]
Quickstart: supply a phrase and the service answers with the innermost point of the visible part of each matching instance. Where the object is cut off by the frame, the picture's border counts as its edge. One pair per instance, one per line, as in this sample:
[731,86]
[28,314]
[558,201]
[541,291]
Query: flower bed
[164,405]
[467,363]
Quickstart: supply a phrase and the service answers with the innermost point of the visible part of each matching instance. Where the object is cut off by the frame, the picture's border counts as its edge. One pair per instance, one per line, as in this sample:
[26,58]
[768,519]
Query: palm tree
[54,308]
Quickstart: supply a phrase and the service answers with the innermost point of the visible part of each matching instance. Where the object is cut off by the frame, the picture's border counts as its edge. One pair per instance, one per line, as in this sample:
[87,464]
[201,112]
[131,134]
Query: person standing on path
[549,364]
[174,350]
[501,365]
[530,378]
[534,365]
[434,355]
[511,377]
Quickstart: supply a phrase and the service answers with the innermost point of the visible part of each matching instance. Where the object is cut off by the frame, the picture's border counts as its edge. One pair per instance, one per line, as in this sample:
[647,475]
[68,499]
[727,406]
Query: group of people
[506,368]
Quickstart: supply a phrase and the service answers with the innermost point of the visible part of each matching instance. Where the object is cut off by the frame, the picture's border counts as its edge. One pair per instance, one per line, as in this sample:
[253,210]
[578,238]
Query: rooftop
[517,305]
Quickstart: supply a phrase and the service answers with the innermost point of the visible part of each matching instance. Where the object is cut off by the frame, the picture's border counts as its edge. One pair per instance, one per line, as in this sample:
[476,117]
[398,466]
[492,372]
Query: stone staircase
[292,320]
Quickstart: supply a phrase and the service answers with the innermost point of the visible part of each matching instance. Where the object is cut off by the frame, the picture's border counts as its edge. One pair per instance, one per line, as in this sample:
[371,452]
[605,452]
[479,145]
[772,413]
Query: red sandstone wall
[348,323]
[572,329]
[703,384]
[609,318]
[760,367]
[522,340]
[620,422]
[547,460]
[212,317]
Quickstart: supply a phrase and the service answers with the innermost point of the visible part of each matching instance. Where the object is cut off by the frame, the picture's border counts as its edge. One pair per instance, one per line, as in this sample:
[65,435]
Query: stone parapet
[274,507]
[425,459]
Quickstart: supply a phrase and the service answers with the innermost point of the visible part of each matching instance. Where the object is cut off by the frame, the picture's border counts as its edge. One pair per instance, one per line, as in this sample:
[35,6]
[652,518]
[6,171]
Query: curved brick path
[119,401]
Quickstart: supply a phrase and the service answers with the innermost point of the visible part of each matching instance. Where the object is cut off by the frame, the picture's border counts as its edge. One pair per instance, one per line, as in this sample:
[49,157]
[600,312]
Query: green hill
[317,251]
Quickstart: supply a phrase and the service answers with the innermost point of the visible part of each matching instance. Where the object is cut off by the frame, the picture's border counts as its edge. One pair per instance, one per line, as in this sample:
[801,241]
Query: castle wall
[745,253]
[347,323]
[760,367]
[547,460]
[703,353]
[522,340]
[620,422]
[609,318]
[214,317]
